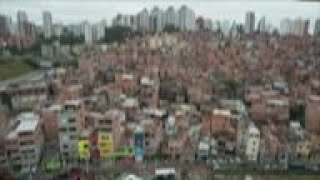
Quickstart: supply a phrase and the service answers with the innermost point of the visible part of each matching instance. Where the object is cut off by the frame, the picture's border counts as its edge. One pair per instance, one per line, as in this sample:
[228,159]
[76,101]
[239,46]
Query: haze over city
[75,11]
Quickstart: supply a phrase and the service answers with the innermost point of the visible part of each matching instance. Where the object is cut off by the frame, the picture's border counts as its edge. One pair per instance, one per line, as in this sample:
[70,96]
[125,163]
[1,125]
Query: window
[103,145]
[86,146]
[28,152]
[72,120]
[106,122]
[25,133]
[106,129]
[73,137]
[24,143]
[72,129]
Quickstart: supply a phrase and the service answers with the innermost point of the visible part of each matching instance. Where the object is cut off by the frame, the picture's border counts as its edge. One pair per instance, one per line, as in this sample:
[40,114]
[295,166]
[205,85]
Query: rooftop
[224,112]
[127,76]
[253,129]
[278,102]
[146,81]
[314,98]
[130,102]
[165,171]
[28,122]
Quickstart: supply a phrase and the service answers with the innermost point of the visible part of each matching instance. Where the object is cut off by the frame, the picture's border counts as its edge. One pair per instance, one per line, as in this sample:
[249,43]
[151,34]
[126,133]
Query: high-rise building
[306,27]
[98,31]
[249,22]
[225,27]
[186,19]
[262,25]
[76,29]
[133,22]
[22,18]
[200,23]
[286,26]
[11,26]
[208,24]
[118,20]
[143,20]
[4,28]
[57,29]
[88,33]
[233,30]
[171,17]
[126,20]
[47,24]
[216,26]
[82,27]
[156,20]
[298,27]
[317,27]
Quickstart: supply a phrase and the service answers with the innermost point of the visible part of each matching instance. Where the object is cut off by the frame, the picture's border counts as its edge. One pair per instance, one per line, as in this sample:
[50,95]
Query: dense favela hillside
[163,93]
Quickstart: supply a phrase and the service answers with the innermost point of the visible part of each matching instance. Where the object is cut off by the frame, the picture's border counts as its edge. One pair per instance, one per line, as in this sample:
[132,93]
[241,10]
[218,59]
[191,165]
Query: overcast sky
[71,11]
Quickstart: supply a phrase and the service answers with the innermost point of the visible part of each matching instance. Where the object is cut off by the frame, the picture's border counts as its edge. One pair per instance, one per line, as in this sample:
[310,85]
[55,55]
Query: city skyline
[274,12]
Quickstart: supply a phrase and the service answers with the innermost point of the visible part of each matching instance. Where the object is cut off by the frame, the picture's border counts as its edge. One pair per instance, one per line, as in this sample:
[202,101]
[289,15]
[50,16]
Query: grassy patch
[13,68]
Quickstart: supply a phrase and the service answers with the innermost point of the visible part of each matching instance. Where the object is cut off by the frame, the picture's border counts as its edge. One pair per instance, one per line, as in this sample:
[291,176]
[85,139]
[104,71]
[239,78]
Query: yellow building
[84,149]
[105,143]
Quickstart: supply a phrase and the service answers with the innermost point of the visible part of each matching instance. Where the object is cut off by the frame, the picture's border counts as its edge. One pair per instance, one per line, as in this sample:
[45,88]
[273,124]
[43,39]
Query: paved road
[34,75]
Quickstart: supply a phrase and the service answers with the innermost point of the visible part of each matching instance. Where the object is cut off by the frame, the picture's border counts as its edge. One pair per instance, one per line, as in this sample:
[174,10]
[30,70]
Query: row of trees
[112,34]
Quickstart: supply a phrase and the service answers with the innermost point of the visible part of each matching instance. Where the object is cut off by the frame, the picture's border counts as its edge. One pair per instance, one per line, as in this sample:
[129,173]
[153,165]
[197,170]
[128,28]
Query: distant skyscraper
[286,27]
[143,20]
[262,25]
[47,24]
[22,18]
[4,27]
[88,33]
[200,23]
[171,17]
[118,20]
[317,27]
[186,19]
[133,22]
[208,24]
[76,29]
[216,26]
[249,22]
[126,20]
[57,29]
[156,20]
[298,27]
[225,27]
[234,30]
[11,26]
[98,31]
[306,27]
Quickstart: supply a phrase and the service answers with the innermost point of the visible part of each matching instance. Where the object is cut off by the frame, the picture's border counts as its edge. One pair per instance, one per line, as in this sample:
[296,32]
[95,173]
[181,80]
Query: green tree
[297,112]
[118,34]
[231,88]
[5,98]
[170,29]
